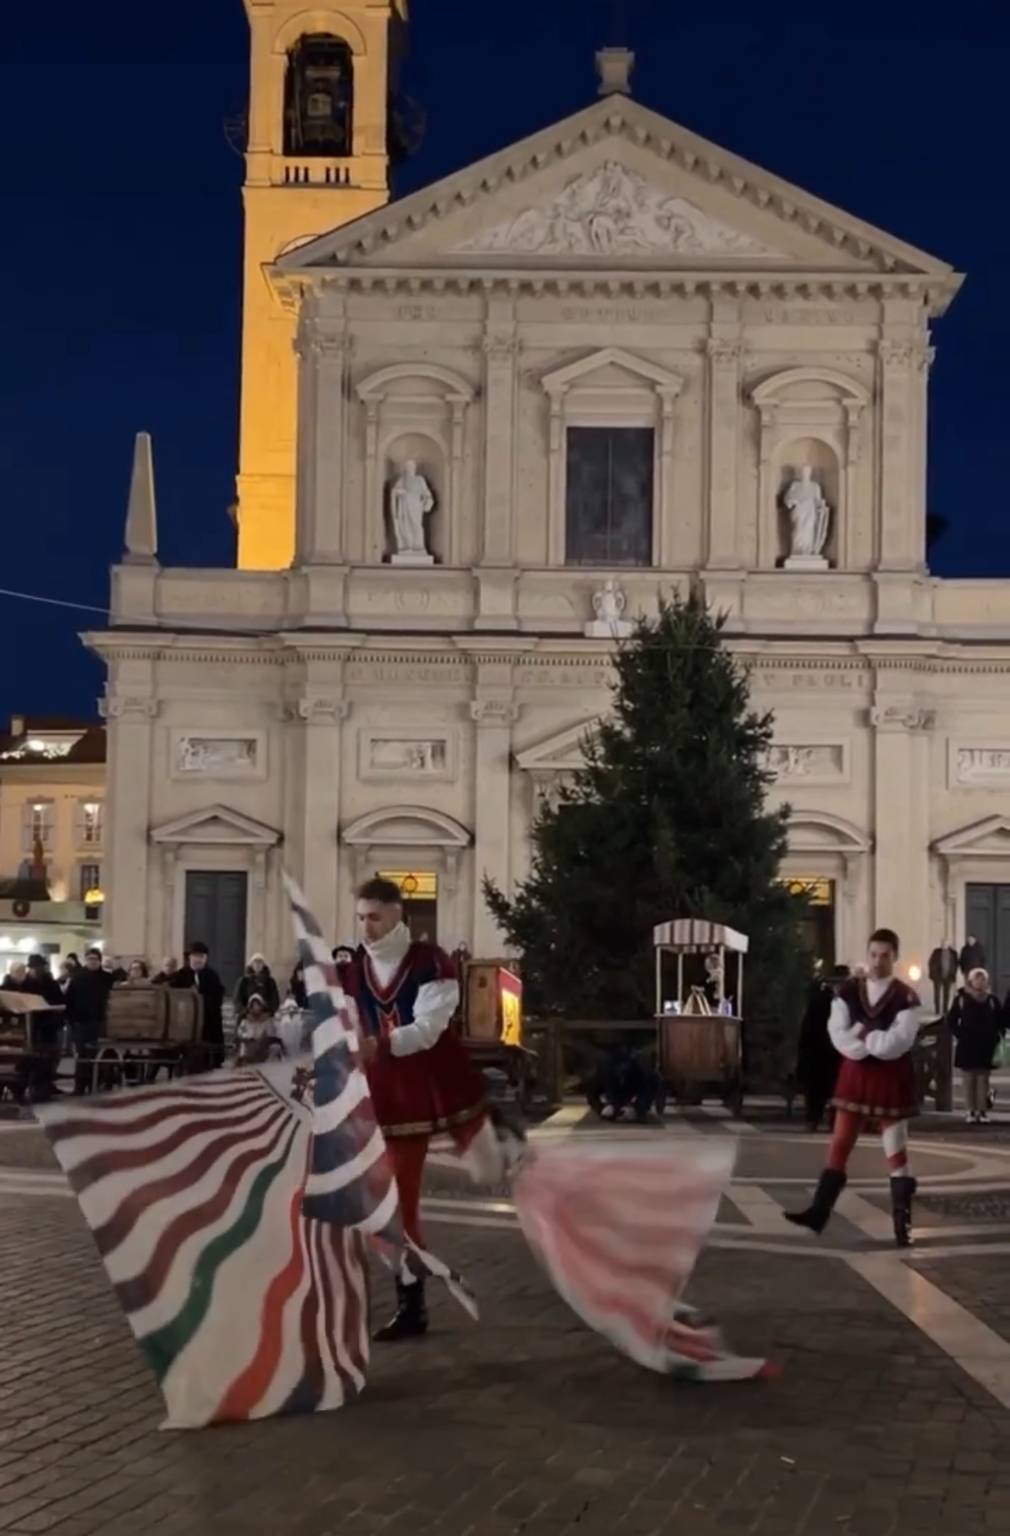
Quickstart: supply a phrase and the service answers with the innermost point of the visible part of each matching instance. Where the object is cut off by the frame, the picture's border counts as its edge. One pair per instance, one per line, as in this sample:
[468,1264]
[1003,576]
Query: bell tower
[318,156]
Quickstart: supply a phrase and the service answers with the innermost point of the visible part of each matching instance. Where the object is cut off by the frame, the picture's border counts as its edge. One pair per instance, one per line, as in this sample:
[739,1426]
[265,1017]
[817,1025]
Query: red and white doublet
[873,1026]
[422,1080]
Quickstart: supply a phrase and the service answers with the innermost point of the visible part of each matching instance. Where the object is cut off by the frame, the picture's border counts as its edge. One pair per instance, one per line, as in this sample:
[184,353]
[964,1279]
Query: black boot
[816,1216]
[410,1320]
[902,1190]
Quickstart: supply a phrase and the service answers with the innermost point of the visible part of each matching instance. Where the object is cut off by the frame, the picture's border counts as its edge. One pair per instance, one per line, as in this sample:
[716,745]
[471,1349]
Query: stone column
[321,348]
[494,717]
[724,353]
[901,822]
[500,352]
[663,534]
[128,809]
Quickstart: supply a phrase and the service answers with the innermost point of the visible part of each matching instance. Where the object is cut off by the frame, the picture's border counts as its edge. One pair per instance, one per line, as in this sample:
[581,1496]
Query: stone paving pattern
[524,1426]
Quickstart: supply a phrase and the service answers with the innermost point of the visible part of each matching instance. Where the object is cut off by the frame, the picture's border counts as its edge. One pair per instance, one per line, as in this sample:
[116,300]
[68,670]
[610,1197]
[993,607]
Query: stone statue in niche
[609,604]
[810,521]
[411,500]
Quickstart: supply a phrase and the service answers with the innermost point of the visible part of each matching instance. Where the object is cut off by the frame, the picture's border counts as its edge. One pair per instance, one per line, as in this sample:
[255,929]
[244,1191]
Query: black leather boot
[818,1212]
[902,1190]
[410,1320]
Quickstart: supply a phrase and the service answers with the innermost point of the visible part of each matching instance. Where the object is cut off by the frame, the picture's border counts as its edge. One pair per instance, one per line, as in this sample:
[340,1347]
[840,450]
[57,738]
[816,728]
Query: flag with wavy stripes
[242,1304]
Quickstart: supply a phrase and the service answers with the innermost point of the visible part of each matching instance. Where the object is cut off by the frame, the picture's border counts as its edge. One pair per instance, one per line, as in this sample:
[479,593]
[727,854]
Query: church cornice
[934,292]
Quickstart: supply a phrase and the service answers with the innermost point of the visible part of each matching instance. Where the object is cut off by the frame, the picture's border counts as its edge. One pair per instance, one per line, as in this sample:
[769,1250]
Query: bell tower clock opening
[318,155]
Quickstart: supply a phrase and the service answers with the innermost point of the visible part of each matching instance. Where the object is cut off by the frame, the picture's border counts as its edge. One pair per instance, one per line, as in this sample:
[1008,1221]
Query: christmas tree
[667,818]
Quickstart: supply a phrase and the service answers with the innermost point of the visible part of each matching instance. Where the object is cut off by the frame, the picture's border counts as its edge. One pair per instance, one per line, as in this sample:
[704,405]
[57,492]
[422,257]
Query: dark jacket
[977,1025]
[296,987]
[943,964]
[970,958]
[254,983]
[87,1000]
[817,1060]
[43,984]
[211,988]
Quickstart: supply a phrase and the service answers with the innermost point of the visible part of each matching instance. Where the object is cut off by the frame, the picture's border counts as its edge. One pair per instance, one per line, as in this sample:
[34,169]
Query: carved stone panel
[405,755]
[977,766]
[216,756]
[809,762]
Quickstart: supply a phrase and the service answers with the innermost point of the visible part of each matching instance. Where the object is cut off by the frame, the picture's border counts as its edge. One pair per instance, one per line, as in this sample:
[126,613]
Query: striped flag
[243,1306]
[619,1229]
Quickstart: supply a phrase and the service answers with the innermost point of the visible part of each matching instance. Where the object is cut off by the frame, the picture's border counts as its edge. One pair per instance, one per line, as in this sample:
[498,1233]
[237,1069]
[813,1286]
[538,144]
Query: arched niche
[428,455]
[314,22]
[426,404]
[824,410]
[790,457]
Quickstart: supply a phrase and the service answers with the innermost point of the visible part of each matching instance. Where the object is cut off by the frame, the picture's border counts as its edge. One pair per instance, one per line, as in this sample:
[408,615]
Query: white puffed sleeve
[844,1037]
[890,1044]
[437,1001]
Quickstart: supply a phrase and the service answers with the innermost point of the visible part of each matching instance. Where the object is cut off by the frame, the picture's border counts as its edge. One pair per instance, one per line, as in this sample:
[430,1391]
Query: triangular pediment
[986,839]
[561,752]
[217,824]
[614,185]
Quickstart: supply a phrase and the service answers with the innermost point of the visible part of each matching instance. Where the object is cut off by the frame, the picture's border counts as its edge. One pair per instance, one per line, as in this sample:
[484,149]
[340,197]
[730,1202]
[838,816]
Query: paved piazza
[890,1416]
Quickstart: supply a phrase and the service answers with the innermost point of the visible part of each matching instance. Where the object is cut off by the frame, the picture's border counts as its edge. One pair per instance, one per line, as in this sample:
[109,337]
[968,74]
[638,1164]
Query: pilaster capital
[125,706]
[322,709]
[901,717]
[491,713]
[724,352]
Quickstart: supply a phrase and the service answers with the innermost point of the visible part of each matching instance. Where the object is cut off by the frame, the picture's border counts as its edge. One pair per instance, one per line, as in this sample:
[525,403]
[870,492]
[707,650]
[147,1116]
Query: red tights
[846,1134]
[407,1155]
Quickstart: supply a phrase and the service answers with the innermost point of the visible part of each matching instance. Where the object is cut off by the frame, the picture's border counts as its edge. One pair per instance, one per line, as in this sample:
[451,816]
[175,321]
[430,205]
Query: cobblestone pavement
[528,1425]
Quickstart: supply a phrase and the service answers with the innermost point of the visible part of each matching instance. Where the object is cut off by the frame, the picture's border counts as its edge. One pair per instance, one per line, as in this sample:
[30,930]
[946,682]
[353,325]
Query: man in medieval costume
[421,1080]
[873,1025]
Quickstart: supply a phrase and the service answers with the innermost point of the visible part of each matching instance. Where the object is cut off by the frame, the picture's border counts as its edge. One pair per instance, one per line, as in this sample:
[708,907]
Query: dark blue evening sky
[121,257]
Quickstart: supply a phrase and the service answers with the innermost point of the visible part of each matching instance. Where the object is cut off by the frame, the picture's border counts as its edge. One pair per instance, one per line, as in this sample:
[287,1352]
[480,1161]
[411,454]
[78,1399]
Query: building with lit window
[52,837]
[482,428]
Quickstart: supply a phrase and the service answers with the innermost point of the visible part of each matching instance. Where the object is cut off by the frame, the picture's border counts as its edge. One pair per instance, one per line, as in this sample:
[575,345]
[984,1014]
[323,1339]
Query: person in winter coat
[817,1060]
[87,1000]
[198,975]
[296,987]
[257,980]
[972,956]
[977,1023]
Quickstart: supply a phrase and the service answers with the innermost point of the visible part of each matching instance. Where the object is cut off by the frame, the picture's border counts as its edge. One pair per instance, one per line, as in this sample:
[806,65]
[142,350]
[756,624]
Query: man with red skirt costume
[873,1025]
[421,1080]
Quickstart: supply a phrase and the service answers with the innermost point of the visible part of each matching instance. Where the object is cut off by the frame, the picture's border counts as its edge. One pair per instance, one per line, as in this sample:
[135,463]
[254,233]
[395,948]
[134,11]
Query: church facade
[610,362]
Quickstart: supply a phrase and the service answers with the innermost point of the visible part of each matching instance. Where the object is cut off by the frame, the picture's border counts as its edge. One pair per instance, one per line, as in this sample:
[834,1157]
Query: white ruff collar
[391,948]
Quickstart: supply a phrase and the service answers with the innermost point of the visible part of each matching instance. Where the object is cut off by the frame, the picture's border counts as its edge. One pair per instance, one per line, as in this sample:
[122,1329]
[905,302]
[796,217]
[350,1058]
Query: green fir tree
[666,819]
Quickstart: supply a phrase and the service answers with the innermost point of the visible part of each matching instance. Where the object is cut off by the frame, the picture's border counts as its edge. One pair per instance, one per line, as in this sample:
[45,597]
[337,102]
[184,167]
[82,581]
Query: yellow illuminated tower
[318,156]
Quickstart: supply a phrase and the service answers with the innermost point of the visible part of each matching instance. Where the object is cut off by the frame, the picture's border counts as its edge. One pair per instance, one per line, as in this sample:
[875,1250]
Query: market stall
[699,1007]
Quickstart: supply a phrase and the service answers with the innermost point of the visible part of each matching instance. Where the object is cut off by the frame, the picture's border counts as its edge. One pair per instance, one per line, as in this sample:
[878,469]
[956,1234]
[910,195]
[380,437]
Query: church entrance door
[987,916]
[216,902]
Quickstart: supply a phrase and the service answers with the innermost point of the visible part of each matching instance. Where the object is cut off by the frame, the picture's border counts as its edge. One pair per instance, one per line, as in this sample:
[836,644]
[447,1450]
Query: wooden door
[987,916]
[216,902]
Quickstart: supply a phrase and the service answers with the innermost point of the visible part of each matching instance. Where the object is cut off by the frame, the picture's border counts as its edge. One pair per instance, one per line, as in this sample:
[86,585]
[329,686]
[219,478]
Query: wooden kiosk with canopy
[699,1026]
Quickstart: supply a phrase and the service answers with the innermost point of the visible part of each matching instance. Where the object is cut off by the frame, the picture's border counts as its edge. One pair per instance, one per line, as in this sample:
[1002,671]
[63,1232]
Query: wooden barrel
[699,1048]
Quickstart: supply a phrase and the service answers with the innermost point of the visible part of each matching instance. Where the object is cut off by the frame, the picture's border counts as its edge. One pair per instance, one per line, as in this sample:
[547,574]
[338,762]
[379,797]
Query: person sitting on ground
[977,1023]
[621,1082]
[257,979]
[296,987]
[257,1039]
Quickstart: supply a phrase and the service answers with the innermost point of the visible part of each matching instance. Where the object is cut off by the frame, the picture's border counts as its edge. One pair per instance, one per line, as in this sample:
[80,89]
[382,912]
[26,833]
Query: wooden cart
[491,1022]
[699,1026]
[148,1029]
[30,1031]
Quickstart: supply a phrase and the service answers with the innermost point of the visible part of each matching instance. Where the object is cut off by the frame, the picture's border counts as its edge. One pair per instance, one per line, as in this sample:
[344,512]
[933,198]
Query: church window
[319,97]
[609,496]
